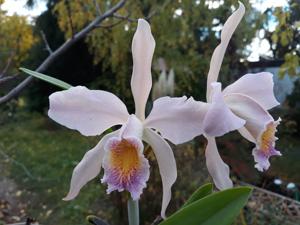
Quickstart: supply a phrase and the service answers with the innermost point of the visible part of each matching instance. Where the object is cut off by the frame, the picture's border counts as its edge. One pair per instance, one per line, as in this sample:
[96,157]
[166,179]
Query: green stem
[133,212]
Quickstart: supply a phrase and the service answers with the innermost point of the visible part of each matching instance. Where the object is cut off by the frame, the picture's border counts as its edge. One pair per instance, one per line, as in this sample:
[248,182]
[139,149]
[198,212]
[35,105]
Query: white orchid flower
[165,85]
[120,153]
[241,106]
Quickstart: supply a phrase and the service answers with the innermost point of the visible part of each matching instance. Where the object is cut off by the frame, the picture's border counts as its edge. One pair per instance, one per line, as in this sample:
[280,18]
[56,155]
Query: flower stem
[133,212]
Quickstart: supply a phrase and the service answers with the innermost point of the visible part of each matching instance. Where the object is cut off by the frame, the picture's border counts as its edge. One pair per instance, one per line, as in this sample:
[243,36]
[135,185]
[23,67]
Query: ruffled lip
[265,147]
[125,167]
[262,159]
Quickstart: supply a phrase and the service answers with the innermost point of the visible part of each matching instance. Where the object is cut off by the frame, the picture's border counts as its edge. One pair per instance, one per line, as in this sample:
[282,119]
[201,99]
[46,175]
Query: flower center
[268,137]
[124,158]
[125,167]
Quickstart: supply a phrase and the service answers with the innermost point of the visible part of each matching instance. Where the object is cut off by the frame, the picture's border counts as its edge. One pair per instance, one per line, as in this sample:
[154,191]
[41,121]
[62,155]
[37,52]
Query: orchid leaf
[201,192]
[218,208]
[47,78]
[95,220]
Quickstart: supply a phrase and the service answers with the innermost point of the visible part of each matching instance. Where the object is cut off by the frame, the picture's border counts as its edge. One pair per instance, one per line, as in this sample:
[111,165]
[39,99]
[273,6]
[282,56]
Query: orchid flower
[240,106]
[120,153]
[165,85]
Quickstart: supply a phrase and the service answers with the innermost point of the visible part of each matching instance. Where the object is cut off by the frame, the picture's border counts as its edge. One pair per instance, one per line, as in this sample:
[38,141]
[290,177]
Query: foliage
[16,40]
[200,193]
[284,40]
[74,66]
[218,208]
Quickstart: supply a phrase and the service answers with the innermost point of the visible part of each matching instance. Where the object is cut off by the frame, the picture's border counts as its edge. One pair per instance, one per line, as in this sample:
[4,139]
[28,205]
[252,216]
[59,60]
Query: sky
[264,4]
[257,47]
[17,6]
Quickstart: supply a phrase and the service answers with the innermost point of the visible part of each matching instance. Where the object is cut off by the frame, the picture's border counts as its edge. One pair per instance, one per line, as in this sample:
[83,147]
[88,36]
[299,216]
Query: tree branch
[9,61]
[6,79]
[47,46]
[62,49]
[120,18]
[158,9]
[124,18]
[108,26]
[98,10]
[148,17]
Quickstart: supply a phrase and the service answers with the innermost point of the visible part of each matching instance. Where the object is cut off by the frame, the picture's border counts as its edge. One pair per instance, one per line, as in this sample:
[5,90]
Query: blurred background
[37,156]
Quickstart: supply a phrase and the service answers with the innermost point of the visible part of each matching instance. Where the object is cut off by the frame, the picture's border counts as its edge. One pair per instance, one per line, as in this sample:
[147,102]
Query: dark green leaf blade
[47,78]
[201,192]
[219,208]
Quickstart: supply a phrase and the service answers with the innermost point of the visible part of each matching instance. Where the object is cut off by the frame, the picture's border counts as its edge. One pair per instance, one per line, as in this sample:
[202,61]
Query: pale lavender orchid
[241,106]
[120,153]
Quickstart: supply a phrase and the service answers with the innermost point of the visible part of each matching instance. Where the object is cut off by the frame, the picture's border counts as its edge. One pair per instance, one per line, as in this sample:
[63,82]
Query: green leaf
[95,220]
[201,192]
[47,78]
[219,208]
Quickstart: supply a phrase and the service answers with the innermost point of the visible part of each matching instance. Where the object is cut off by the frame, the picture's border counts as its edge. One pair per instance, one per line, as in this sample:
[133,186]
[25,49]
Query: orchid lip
[266,146]
[125,167]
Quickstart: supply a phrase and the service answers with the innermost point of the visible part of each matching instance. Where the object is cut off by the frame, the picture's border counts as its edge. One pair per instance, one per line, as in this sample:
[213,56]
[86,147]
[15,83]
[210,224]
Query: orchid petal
[90,112]
[218,54]
[216,167]
[143,45]
[219,119]
[246,134]
[132,128]
[260,127]
[177,119]
[248,109]
[262,159]
[88,168]
[258,86]
[166,164]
